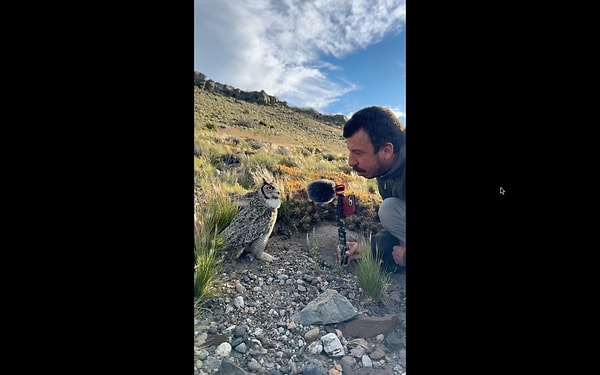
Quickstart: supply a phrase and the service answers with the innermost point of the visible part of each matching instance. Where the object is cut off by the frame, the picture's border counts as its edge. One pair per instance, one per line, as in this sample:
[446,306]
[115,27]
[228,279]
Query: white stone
[332,345]
[223,350]
[238,302]
[315,348]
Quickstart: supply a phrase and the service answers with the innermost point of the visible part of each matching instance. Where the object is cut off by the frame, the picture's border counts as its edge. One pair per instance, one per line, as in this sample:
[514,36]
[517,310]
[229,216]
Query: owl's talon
[267,257]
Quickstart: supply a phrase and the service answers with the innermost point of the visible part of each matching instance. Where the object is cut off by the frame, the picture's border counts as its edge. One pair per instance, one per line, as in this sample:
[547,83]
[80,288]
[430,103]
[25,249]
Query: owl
[251,228]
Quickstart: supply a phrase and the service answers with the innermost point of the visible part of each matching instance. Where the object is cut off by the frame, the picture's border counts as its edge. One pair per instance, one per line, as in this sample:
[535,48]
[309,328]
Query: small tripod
[345,207]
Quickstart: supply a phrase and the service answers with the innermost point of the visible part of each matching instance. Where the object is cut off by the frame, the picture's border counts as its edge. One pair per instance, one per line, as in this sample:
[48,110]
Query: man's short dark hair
[380,123]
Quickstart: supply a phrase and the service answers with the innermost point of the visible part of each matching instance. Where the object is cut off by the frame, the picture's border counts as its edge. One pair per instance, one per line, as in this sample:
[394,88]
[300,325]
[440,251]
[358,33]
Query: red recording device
[346,202]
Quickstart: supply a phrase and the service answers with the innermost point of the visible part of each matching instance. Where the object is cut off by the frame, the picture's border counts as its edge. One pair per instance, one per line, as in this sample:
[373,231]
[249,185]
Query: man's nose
[351,161]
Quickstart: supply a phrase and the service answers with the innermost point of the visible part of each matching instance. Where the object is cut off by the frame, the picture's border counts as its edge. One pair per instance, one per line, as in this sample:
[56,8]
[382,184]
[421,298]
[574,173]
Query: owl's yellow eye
[269,187]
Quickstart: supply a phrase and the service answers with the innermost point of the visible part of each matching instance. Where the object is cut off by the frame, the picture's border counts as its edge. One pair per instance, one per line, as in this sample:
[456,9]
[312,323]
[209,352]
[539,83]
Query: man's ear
[388,150]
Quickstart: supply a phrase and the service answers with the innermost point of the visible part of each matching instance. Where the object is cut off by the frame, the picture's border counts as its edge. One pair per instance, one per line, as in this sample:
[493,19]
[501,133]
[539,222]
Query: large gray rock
[229,368]
[329,307]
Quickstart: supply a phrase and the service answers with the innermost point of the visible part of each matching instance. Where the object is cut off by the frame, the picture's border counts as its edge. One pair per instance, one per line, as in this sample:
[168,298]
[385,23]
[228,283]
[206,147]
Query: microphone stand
[339,191]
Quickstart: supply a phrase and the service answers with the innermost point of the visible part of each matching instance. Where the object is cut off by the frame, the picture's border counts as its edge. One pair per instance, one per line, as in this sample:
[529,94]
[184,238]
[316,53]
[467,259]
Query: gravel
[249,325]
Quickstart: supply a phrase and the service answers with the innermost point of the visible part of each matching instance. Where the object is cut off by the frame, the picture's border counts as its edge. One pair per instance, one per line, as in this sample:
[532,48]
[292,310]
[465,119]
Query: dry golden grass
[234,139]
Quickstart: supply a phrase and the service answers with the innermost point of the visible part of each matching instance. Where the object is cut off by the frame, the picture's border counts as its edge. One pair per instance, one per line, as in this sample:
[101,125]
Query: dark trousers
[383,243]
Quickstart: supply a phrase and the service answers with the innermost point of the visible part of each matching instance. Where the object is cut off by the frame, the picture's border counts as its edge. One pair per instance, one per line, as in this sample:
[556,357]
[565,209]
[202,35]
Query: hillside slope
[279,124]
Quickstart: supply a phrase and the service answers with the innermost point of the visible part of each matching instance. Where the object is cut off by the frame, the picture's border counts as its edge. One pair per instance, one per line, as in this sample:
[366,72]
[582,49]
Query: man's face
[362,159]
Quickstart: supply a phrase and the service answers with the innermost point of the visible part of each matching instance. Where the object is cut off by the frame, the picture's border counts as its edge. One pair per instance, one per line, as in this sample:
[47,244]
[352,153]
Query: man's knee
[392,215]
[392,209]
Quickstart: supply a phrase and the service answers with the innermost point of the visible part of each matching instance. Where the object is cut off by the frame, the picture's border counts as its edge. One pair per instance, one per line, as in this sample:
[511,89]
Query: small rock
[377,354]
[253,365]
[239,287]
[240,331]
[347,363]
[223,350]
[237,341]
[312,335]
[239,302]
[202,354]
[357,352]
[315,348]
[332,345]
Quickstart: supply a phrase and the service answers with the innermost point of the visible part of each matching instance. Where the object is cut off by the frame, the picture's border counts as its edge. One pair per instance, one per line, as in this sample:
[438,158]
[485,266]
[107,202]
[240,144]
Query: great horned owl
[251,228]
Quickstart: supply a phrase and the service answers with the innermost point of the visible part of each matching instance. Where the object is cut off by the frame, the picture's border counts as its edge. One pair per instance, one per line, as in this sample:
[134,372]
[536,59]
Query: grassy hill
[238,142]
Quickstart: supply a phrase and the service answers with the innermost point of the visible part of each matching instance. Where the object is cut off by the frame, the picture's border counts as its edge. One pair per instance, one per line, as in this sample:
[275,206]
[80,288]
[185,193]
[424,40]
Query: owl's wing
[248,225]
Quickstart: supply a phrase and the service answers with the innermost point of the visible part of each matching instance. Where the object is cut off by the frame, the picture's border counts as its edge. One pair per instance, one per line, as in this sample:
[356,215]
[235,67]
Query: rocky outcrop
[258,97]
[331,119]
[261,97]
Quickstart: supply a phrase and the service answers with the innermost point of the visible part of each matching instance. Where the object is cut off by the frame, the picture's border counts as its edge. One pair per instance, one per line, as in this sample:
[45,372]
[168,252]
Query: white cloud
[277,45]
[396,110]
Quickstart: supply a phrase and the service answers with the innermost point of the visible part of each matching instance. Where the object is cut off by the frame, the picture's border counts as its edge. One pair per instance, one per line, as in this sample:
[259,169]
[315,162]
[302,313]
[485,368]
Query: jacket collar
[396,166]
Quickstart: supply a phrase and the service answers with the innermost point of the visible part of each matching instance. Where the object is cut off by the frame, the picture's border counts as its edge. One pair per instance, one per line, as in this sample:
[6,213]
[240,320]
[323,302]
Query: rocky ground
[253,326]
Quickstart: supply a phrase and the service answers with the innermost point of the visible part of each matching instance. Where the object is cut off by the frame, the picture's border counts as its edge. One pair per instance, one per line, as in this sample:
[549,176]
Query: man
[376,140]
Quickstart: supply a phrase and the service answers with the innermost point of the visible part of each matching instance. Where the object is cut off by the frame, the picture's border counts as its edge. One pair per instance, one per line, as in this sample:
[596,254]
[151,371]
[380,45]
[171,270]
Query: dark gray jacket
[393,183]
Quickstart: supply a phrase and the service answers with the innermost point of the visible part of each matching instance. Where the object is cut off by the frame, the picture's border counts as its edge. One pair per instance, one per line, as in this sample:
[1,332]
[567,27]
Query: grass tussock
[206,263]
[371,278]
[210,220]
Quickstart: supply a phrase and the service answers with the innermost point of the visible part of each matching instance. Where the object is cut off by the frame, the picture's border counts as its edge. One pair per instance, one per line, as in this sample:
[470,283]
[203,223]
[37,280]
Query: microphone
[321,191]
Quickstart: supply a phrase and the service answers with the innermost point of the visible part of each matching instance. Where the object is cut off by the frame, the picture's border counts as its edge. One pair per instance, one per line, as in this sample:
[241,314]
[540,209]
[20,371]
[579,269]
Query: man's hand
[398,254]
[352,251]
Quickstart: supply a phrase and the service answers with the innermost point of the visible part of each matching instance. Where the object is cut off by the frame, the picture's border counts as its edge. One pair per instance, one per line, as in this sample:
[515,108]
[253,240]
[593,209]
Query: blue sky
[336,56]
